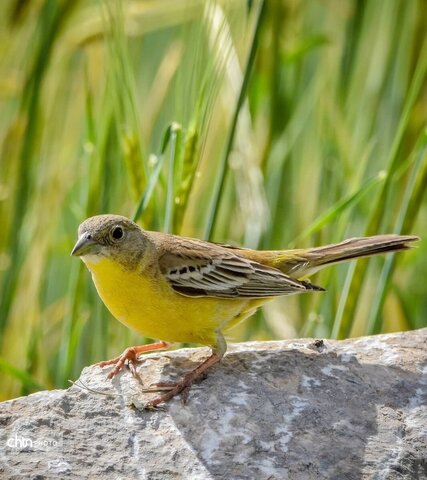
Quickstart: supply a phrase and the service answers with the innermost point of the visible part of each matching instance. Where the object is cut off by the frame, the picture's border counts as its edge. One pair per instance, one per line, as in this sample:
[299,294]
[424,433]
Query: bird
[178,289]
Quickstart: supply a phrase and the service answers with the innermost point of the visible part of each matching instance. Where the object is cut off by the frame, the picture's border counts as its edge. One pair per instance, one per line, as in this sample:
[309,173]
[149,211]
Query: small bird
[178,289]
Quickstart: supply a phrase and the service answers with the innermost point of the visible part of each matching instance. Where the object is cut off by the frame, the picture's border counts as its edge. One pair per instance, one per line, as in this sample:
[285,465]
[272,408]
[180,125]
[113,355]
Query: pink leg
[185,383]
[131,355]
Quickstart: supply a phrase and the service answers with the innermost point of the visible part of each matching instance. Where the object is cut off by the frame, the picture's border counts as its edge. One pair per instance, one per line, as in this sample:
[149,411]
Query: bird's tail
[302,263]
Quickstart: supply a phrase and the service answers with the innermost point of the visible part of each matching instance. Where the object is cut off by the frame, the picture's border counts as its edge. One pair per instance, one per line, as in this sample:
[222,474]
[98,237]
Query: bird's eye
[117,233]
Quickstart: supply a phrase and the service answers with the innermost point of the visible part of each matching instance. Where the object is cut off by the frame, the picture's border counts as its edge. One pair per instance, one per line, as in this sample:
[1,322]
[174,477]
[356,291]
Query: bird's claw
[160,387]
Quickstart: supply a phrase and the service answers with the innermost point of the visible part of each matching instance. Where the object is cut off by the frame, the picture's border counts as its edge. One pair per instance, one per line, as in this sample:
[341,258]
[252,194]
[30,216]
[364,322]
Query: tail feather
[302,263]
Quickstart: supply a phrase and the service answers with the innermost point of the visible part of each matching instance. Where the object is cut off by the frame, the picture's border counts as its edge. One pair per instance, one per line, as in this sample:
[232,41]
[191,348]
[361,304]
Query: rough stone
[353,409]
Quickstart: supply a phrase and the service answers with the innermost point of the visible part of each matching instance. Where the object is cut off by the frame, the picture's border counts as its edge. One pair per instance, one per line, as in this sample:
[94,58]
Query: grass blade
[212,217]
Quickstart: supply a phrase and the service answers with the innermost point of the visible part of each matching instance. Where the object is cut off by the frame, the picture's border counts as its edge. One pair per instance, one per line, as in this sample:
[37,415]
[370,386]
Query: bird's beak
[85,246]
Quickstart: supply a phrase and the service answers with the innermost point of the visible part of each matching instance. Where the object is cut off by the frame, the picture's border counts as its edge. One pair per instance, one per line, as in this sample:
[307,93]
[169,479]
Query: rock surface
[354,409]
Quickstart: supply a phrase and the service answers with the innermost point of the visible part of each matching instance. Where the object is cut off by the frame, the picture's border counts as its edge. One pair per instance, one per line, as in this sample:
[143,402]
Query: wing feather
[202,269]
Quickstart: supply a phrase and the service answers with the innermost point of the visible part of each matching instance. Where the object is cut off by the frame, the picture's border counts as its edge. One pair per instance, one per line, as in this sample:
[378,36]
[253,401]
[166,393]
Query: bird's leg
[191,377]
[184,384]
[131,355]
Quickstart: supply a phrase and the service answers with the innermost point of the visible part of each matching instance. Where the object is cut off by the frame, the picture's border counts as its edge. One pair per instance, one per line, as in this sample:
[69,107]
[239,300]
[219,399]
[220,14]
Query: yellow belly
[152,308]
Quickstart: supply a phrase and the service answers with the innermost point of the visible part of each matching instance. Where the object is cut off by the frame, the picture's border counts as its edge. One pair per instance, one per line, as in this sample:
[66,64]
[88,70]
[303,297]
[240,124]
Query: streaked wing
[201,269]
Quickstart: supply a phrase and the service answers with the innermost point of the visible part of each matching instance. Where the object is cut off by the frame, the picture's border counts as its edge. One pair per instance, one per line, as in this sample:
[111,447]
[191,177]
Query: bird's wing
[203,269]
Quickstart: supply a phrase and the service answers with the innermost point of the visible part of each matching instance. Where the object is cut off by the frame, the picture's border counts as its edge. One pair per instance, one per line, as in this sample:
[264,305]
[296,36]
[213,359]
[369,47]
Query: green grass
[268,124]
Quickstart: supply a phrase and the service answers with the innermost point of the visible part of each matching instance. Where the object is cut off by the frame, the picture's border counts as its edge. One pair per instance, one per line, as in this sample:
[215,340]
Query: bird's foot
[160,387]
[130,358]
[182,387]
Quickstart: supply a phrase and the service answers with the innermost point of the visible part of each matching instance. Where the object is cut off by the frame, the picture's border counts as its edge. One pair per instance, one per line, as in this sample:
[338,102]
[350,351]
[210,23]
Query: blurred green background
[268,124]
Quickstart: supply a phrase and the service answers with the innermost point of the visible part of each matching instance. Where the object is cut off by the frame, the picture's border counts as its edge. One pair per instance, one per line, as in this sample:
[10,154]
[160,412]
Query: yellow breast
[151,307]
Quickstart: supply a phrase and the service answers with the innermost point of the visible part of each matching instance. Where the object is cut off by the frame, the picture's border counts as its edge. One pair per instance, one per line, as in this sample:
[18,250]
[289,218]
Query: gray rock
[354,409]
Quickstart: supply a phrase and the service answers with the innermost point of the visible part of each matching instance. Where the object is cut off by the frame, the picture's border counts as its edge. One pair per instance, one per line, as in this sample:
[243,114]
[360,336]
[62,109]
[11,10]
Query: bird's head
[113,237]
